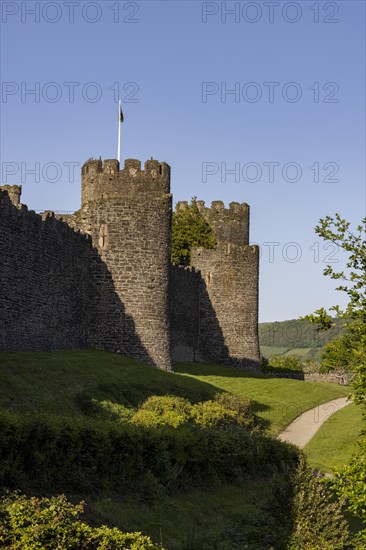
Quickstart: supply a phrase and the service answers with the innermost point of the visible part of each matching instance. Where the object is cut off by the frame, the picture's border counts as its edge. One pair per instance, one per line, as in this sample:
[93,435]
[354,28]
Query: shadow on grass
[211,369]
[143,382]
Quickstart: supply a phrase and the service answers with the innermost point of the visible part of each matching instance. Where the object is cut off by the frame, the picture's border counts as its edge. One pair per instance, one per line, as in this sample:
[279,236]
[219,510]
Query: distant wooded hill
[295,337]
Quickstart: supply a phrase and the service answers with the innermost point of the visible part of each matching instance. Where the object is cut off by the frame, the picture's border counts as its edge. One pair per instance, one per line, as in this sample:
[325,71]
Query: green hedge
[75,455]
[282,364]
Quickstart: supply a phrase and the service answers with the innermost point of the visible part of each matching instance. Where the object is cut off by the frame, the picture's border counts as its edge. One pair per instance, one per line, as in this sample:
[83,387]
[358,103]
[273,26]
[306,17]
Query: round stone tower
[128,215]
[228,303]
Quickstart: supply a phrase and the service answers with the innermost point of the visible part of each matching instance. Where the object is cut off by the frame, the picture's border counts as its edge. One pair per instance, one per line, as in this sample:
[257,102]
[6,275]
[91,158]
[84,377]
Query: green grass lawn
[277,400]
[65,382]
[335,442]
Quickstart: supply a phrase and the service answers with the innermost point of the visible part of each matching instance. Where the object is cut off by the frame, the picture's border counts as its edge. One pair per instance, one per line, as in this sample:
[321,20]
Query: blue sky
[298,154]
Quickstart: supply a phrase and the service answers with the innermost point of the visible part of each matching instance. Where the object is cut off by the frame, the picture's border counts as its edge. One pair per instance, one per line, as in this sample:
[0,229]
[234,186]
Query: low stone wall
[317,377]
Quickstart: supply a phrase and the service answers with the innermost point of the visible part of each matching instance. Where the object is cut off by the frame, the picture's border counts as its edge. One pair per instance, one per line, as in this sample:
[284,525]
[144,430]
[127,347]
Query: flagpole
[119,132]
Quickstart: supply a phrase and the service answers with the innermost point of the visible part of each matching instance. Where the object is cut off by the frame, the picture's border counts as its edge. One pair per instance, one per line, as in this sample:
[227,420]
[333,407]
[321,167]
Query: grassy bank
[277,400]
[65,383]
[333,445]
[189,488]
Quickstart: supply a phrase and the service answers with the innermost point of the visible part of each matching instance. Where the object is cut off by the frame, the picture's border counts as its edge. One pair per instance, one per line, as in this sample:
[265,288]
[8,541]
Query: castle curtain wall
[44,278]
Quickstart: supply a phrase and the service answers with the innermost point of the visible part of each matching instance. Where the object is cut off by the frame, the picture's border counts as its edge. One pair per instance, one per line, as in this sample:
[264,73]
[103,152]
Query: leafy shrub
[52,524]
[163,410]
[112,411]
[210,414]
[281,363]
[318,519]
[350,485]
[311,366]
[227,410]
[339,354]
[242,406]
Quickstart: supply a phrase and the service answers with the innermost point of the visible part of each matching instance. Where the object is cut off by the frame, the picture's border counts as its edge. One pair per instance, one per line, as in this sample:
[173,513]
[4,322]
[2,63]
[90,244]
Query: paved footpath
[305,426]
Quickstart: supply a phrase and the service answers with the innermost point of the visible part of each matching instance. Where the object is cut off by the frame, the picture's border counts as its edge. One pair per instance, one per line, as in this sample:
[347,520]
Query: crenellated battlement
[103,180]
[131,166]
[231,225]
[217,207]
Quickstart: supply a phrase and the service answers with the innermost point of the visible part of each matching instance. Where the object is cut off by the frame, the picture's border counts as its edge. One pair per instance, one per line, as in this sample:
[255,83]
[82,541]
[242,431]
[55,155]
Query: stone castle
[102,278]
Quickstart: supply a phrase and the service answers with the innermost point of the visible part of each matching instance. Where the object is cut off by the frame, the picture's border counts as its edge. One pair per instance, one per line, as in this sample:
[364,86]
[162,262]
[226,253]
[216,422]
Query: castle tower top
[231,225]
[105,180]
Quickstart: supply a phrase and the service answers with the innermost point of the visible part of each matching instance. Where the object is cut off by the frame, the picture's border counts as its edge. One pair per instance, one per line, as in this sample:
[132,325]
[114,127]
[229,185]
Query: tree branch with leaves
[350,481]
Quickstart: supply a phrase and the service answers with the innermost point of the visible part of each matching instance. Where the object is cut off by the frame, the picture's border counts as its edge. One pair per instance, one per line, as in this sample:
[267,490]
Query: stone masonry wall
[231,225]
[228,304]
[128,215]
[184,312]
[214,314]
[44,274]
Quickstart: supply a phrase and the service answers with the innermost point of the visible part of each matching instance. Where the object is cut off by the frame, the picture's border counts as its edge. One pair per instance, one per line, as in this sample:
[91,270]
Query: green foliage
[225,411]
[357,333]
[350,484]
[74,455]
[211,414]
[165,410]
[337,231]
[52,524]
[321,319]
[234,410]
[318,521]
[280,363]
[112,411]
[148,466]
[339,355]
[297,334]
[190,229]
[311,366]
[353,278]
